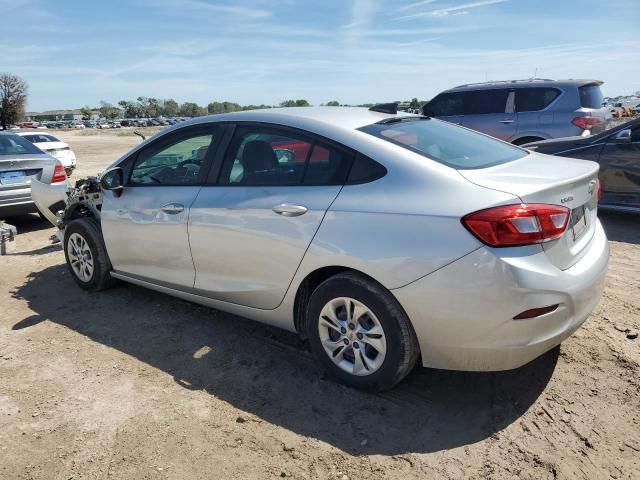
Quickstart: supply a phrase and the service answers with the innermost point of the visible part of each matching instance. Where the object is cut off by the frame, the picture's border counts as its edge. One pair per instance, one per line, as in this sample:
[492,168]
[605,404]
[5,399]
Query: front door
[620,171]
[249,232]
[145,228]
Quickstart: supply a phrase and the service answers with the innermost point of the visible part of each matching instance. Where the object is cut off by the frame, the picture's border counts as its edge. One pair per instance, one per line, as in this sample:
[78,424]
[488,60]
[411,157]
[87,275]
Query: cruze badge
[566,199]
[592,186]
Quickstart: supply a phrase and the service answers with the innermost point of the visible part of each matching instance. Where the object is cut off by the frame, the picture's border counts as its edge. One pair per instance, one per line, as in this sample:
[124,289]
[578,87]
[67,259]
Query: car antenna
[385,108]
[136,132]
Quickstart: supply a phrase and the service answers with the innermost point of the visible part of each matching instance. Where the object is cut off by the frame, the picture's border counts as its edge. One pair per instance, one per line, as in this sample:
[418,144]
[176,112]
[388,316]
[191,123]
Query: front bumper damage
[62,203]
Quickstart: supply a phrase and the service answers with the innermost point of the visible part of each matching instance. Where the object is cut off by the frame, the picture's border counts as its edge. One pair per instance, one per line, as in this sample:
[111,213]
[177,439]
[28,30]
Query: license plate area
[10,178]
[578,222]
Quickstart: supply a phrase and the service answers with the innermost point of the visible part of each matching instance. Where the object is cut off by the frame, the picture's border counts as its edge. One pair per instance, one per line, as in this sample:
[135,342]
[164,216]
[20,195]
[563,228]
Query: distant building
[57,115]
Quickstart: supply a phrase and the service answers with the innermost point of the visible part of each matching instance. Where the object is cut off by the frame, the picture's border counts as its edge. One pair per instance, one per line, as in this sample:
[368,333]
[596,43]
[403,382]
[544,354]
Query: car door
[620,169]
[250,230]
[446,106]
[145,228]
[534,116]
[490,111]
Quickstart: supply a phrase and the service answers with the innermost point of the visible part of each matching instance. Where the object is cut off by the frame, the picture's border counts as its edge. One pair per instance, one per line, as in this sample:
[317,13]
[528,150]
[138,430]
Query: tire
[85,234]
[384,360]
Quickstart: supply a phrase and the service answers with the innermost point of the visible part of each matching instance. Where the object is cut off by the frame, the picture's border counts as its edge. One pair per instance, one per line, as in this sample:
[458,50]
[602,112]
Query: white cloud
[442,12]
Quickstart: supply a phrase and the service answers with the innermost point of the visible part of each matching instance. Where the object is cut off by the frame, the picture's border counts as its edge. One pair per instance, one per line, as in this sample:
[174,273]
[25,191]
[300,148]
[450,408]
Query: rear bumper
[16,202]
[463,313]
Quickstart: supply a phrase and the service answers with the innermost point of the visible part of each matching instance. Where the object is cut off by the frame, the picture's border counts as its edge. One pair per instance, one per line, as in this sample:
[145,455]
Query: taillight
[59,175]
[514,225]
[586,123]
[599,189]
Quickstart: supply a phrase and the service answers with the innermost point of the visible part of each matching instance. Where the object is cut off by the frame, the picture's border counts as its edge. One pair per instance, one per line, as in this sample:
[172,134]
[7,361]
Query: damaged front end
[62,203]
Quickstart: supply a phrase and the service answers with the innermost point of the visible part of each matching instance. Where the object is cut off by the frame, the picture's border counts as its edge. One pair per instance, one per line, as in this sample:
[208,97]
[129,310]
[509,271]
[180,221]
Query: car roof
[530,82]
[349,118]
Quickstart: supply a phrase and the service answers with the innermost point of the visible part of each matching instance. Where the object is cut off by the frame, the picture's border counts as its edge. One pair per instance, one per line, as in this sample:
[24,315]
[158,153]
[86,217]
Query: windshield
[16,145]
[445,143]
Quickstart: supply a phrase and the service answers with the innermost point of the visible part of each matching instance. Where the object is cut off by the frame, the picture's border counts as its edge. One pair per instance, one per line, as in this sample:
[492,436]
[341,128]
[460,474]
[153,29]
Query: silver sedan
[380,237]
[21,162]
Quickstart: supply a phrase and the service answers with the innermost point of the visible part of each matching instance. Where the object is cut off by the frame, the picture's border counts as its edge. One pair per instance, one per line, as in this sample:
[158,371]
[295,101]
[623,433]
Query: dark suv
[523,111]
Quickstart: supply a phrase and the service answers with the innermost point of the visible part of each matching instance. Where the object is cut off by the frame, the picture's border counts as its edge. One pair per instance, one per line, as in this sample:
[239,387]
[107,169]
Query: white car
[54,147]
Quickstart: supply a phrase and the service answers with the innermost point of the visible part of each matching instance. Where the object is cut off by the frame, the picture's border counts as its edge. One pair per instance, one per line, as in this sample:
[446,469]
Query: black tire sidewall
[89,229]
[385,308]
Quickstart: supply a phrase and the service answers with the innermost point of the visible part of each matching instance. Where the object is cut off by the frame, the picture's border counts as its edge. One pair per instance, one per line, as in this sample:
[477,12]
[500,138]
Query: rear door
[145,228]
[251,228]
[489,111]
[446,106]
[531,104]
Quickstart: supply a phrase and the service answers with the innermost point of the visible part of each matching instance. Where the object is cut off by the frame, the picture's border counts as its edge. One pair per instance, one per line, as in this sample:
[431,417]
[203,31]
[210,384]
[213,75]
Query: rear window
[445,143]
[16,145]
[590,96]
[40,138]
[535,99]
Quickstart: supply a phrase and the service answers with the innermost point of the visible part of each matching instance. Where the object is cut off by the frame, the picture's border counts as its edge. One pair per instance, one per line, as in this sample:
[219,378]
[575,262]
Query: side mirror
[623,137]
[113,180]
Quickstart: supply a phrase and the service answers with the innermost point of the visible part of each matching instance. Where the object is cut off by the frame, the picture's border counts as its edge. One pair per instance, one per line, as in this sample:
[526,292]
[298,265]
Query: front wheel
[86,254]
[360,332]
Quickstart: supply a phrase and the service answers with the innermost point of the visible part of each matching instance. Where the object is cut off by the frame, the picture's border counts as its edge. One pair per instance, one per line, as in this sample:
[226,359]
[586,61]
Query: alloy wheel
[352,336]
[80,257]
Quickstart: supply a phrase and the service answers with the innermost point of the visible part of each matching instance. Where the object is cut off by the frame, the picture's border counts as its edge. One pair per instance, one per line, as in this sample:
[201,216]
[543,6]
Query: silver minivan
[523,111]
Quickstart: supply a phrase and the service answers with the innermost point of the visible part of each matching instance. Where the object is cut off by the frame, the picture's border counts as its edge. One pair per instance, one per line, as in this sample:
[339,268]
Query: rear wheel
[86,254]
[360,333]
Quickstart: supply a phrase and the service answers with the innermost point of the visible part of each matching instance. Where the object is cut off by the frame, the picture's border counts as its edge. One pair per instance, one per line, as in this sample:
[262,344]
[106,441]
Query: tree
[143,105]
[190,109]
[86,113]
[170,108]
[13,95]
[108,111]
[333,103]
[223,107]
[414,103]
[288,103]
[302,103]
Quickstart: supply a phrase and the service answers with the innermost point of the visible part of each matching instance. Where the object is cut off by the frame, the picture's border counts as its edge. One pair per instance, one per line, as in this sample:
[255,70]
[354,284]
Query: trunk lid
[18,171]
[539,178]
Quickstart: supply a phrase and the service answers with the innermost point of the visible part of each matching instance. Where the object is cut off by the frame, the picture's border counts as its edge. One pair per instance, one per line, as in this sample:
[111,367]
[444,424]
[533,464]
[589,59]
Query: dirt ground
[129,383]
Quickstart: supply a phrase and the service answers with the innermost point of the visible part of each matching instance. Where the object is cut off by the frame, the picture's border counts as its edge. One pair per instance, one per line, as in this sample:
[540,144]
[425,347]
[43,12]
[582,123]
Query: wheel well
[306,288]
[523,140]
[77,211]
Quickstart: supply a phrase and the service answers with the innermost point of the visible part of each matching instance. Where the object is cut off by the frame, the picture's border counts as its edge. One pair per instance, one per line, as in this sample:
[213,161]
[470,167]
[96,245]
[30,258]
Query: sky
[79,52]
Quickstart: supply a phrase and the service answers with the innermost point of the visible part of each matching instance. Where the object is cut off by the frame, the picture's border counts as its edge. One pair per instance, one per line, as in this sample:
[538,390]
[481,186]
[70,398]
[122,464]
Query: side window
[485,101]
[444,105]
[535,99]
[264,156]
[635,135]
[365,170]
[327,166]
[176,163]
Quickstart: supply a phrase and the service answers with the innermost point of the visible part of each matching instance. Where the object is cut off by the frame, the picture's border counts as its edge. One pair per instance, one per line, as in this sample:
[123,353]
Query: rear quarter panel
[401,227]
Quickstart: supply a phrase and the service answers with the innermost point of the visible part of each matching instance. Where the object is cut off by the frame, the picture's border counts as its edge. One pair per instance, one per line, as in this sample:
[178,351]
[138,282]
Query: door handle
[287,210]
[506,121]
[172,208]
